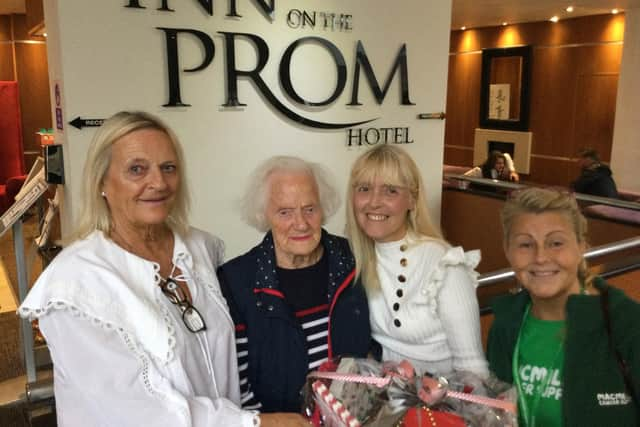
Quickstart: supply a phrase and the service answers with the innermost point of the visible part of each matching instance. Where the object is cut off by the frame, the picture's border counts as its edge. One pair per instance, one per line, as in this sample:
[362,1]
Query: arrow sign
[79,122]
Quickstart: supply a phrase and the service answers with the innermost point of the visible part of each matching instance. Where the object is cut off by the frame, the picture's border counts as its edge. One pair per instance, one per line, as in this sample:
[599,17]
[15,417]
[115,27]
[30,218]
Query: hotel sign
[295,19]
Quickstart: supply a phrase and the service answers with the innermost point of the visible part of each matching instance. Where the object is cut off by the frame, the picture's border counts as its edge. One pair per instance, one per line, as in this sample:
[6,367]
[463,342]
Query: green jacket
[592,378]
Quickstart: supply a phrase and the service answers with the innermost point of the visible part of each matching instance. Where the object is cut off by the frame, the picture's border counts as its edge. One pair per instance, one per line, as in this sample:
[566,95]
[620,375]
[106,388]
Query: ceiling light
[463,28]
[554,19]
[504,24]
[614,11]
[569,9]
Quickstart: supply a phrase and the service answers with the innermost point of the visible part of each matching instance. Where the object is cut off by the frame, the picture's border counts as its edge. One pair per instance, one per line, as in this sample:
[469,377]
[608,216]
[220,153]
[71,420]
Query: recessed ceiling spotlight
[614,11]
[463,28]
[504,24]
[554,18]
[569,9]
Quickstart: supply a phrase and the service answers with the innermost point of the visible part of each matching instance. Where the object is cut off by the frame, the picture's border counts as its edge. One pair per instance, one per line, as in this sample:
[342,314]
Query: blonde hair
[254,202]
[394,166]
[95,213]
[542,200]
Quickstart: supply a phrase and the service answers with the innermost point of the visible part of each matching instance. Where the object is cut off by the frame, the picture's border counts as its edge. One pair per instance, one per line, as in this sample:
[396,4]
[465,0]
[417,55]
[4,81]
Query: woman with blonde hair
[421,291]
[132,311]
[567,341]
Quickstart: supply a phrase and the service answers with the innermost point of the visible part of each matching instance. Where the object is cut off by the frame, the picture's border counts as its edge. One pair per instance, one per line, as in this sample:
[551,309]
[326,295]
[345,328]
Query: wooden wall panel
[5,28]
[601,28]
[24,58]
[35,15]
[457,156]
[463,102]
[6,61]
[553,171]
[602,231]
[604,58]
[483,229]
[6,49]
[31,61]
[575,65]
[595,112]
[552,101]
[558,91]
[21,29]
[628,283]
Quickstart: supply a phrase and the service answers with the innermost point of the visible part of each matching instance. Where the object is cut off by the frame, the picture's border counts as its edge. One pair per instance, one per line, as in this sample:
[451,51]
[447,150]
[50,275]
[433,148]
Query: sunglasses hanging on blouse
[190,315]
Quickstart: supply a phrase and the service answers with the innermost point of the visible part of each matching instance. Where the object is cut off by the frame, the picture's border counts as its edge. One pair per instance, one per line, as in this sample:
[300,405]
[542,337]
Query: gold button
[403,262]
[402,279]
[403,247]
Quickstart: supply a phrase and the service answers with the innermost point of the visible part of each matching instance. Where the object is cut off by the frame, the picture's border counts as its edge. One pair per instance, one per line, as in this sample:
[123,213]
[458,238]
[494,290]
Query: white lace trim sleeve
[455,256]
[119,383]
[127,336]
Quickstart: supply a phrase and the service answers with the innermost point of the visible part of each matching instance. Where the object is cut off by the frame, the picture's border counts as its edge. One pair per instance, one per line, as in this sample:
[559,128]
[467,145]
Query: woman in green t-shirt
[567,338]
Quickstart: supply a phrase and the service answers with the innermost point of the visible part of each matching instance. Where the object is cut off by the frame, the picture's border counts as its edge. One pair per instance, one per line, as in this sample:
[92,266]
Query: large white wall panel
[625,152]
[105,57]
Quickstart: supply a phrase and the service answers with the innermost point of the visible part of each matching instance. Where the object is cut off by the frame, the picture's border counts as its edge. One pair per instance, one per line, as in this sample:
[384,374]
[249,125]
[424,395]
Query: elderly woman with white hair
[293,297]
[132,311]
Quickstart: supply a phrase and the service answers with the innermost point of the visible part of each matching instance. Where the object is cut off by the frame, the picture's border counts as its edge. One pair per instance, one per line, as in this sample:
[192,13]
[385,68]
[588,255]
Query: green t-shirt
[540,361]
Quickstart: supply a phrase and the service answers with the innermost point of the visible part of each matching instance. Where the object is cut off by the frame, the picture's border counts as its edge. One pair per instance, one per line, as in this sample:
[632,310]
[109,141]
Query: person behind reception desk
[569,342]
[422,292]
[595,177]
[497,166]
[293,297]
[138,330]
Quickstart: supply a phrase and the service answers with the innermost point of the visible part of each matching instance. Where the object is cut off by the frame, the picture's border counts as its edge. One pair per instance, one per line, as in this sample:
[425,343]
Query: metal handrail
[598,251]
[627,204]
[610,248]
[513,186]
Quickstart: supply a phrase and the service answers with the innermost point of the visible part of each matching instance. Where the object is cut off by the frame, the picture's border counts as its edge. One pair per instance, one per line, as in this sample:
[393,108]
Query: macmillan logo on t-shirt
[534,377]
[613,399]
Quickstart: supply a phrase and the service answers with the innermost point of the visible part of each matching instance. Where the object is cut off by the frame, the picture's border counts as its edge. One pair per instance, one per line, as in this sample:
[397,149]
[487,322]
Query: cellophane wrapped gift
[350,392]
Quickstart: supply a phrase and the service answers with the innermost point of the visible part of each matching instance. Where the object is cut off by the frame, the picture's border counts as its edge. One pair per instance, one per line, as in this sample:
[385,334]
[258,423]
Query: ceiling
[481,13]
[484,13]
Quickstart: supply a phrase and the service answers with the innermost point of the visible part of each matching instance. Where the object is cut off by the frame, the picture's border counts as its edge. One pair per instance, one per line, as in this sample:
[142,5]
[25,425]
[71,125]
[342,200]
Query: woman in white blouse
[132,311]
[421,291]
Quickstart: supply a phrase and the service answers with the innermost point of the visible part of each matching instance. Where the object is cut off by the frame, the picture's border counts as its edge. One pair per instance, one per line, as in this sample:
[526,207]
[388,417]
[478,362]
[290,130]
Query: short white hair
[254,202]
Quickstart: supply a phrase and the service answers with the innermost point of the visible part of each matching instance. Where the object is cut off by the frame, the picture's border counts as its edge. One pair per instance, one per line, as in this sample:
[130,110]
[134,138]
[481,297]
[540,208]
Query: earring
[103,194]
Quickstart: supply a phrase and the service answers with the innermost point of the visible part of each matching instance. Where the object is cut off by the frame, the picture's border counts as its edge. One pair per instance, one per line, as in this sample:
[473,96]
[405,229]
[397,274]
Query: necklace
[529,413]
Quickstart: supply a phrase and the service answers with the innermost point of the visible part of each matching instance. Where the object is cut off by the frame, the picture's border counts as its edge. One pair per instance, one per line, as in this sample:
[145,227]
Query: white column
[625,151]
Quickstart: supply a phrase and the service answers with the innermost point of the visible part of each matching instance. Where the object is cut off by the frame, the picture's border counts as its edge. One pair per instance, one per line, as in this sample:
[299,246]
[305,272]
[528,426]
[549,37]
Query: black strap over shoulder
[624,368]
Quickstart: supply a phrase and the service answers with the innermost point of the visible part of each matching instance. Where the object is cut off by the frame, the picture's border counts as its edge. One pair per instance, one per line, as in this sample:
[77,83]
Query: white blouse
[427,310]
[121,353]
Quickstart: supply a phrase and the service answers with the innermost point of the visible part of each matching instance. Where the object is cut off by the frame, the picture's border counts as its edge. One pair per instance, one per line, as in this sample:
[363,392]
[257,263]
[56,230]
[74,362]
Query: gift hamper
[350,392]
